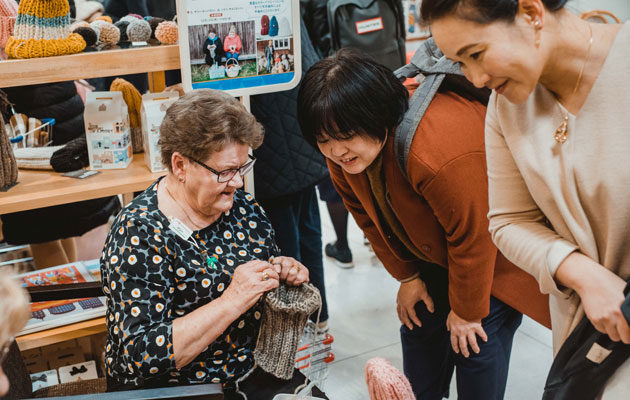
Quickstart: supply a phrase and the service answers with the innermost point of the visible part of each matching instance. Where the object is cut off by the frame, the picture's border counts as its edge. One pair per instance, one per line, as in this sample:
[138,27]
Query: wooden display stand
[37,189]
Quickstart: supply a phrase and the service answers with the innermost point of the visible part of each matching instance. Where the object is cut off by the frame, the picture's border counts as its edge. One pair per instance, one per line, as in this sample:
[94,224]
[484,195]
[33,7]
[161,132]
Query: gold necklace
[561,133]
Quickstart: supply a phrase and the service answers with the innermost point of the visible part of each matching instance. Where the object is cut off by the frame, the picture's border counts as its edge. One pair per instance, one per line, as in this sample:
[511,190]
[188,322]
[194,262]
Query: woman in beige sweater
[558,149]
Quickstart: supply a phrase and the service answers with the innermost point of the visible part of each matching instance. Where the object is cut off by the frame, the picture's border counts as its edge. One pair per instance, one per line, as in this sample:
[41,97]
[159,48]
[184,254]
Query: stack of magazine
[51,314]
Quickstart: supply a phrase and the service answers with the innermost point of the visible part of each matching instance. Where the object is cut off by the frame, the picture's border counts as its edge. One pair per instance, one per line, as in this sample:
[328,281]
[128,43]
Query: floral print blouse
[151,276]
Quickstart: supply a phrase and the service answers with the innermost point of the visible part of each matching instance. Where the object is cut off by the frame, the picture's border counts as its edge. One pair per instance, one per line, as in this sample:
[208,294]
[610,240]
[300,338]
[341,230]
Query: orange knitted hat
[8,12]
[42,29]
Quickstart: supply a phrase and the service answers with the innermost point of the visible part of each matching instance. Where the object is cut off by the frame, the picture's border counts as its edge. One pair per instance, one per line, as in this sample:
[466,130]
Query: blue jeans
[429,359]
[295,219]
[233,55]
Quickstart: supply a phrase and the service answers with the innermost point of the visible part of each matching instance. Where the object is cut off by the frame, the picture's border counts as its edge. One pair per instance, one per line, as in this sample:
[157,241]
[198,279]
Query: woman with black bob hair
[431,232]
[557,146]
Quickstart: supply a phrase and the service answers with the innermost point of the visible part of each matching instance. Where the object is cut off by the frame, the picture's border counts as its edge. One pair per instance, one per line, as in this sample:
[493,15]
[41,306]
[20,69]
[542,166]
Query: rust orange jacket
[443,208]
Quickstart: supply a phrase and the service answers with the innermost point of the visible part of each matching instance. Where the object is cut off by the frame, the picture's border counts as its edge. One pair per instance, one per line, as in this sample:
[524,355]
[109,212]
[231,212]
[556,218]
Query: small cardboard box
[154,106]
[78,372]
[44,379]
[66,357]
[107,130]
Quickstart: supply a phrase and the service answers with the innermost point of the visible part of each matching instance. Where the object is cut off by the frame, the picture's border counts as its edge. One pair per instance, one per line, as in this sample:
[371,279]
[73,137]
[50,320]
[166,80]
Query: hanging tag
[180,229]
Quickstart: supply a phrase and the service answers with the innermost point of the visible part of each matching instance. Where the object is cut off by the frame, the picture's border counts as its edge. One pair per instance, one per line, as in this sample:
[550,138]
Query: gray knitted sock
[285,312]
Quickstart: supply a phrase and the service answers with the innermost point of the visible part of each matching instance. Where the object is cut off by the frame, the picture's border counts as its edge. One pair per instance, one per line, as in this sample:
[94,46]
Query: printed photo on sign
[244,47]
[275,56]
[222,51]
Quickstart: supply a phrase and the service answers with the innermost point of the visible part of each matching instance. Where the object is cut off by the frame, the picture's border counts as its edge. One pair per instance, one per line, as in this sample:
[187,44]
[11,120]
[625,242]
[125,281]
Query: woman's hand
[602,296]
[249,282]
[464,333]
[601,292]
[290,270]
[409,294]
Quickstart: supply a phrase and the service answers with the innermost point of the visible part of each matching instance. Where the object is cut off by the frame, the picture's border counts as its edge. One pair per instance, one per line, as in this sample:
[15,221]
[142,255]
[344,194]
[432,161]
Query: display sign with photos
[243,46]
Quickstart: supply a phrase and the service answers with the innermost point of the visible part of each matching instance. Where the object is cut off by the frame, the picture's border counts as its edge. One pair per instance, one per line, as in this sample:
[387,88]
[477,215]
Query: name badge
[369,25]
[180,229]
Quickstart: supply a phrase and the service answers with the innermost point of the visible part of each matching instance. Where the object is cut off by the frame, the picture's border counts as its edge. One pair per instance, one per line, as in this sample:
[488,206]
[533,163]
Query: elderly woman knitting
[187,261]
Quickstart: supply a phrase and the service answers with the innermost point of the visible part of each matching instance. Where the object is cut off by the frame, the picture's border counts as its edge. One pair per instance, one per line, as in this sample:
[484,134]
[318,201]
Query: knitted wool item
[8,13]
[8,165]
[105,18]
[285,312]
[78,24]
[386,382]
[154,22]
[72,156]
[134,103]
[122,27]
[166,32]
[42,29]
[108,33]
[88,34]
[139,31]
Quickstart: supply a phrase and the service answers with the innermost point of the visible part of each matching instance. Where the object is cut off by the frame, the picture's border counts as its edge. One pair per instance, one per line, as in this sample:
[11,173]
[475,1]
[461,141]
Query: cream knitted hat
[285,312]
[8,13]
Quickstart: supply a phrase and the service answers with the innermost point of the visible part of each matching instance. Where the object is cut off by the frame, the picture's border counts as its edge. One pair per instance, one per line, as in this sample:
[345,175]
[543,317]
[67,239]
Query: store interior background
[363,320]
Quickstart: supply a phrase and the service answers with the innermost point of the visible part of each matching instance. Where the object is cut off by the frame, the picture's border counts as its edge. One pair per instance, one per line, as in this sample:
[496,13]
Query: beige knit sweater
[549,199]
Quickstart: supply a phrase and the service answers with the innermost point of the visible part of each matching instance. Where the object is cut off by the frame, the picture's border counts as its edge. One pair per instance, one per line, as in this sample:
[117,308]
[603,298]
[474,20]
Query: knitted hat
[72,156]
[8,12]
[8,165]
[42,29]
[386,382]
[285,313]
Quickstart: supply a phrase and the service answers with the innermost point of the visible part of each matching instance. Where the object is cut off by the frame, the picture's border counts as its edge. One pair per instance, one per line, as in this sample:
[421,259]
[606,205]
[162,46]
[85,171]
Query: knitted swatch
[166,32]
[134,103]
[42,29]
[386,382]
[285,312]
[8,13]
[107,33]
[139,31]
[8,165]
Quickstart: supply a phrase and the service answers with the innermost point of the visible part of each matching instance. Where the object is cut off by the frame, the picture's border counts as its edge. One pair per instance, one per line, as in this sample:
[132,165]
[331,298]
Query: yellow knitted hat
[42,29]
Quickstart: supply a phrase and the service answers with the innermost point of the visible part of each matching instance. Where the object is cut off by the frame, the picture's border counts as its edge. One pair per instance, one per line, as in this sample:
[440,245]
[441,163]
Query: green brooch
[211,261]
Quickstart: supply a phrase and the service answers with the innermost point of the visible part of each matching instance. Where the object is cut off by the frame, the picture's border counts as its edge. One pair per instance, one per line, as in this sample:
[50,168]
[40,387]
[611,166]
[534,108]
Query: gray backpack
[376,27]
[438,72]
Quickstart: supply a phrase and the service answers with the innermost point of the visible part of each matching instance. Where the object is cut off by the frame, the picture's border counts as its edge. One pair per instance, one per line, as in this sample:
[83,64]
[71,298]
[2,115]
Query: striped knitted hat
[8,11]
[42,29]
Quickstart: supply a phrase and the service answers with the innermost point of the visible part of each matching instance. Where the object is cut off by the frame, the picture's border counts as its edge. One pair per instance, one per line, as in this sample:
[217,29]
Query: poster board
[243,47]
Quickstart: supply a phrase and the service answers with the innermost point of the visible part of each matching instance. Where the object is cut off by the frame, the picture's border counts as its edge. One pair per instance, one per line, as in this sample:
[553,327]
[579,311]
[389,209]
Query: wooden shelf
[37,189]
[114,62]
[61,334]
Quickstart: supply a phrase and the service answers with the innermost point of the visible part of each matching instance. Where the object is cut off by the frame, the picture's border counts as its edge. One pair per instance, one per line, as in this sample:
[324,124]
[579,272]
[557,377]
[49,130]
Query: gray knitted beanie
[285,312]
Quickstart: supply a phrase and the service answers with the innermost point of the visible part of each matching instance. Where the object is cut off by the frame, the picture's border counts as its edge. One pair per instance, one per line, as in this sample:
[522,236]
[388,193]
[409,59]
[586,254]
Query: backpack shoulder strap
[429,61]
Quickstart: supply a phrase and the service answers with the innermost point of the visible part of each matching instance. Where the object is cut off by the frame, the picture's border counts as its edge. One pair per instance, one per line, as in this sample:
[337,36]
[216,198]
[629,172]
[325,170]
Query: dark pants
[429,359]
[295,218]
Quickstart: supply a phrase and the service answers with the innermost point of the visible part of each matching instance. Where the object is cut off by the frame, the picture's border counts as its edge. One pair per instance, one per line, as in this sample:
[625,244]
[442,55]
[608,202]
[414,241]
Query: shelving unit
[37,189]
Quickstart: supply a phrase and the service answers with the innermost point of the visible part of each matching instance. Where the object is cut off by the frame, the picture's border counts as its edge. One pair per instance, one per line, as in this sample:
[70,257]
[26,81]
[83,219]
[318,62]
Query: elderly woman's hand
[290,270]
[249,282]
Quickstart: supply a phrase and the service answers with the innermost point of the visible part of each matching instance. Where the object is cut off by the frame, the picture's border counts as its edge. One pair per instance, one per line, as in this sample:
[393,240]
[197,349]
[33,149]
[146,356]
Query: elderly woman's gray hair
[14,307]
[202,122]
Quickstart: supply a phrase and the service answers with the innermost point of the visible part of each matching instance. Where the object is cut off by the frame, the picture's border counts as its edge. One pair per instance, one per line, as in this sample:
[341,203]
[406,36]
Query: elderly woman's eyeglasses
[4,350]
[227,174]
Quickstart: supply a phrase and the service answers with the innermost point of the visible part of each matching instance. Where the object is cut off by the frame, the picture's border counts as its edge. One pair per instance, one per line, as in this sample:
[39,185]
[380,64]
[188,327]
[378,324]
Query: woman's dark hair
[480,11]
[350,94]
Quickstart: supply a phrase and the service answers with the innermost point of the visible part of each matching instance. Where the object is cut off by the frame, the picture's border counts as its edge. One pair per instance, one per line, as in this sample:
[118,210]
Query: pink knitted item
[8,14]
[386,382]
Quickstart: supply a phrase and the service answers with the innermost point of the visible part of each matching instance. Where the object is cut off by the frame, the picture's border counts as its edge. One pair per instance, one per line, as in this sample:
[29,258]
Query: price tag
[180,229]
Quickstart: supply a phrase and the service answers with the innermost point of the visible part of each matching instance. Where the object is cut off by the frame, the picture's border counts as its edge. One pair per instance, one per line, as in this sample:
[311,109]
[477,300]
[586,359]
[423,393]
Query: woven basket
[232,69]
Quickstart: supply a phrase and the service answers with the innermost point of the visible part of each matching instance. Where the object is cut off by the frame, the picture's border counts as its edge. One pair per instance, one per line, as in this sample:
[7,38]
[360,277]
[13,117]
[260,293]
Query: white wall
[621,8]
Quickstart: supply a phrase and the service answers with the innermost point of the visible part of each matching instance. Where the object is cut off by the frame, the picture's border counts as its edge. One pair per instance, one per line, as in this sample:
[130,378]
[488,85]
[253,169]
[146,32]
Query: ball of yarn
[122,27]
[88,34]
[166,32]
[109,34]
[78,24]
[386,382]
[134,103]
[154,22]
[105,18]
[139,31]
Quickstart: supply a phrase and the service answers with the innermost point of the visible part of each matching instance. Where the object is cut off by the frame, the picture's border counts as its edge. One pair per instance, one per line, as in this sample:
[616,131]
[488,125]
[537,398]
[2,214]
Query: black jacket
[286,162]
[62,102]
[315,15]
